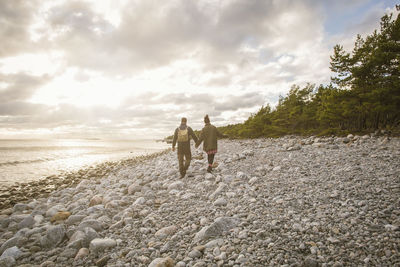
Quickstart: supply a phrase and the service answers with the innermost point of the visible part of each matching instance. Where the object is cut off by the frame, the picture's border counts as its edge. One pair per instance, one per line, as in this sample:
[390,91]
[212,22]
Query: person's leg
[180,161]
[188,158]
[210,161]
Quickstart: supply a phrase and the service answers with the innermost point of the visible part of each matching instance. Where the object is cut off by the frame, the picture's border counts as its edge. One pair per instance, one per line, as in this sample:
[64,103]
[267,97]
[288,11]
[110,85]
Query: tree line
[363,96]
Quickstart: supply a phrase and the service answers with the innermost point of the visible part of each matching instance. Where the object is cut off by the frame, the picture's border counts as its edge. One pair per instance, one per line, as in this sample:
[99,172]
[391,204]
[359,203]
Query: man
[182,136]
[209,135]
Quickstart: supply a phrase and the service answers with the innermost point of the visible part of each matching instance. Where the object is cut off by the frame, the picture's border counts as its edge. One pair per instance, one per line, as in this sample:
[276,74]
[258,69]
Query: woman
[209,135]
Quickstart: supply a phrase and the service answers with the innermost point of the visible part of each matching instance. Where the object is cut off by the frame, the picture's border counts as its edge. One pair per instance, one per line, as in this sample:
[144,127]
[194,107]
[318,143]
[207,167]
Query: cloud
[141,65]
[161,115]
[20,86]
[15,19]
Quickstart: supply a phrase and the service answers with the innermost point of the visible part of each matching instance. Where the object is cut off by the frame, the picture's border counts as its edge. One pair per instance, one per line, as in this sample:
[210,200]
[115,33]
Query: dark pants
[184,162]
[210,159]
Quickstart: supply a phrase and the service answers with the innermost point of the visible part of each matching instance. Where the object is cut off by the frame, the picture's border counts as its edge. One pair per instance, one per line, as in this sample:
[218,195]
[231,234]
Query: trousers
[184,162]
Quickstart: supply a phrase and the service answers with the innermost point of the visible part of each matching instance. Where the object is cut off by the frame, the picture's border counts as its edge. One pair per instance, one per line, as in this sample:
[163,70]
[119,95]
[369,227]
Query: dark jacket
[184,147]
[209,135]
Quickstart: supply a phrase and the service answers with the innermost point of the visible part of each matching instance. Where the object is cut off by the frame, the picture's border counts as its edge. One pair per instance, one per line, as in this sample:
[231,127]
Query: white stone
[176,185]
[100,244]
[220,202]
[209,176]
[140,201]
[14,252]
[166,231]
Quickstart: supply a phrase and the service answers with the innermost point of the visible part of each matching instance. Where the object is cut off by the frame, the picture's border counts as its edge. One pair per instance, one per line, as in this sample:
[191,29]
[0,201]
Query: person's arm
[201,138]
[174,140]
[193,135]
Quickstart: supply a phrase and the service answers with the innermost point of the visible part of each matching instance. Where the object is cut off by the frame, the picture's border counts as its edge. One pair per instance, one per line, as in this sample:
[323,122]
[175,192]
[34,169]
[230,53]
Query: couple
[182,136]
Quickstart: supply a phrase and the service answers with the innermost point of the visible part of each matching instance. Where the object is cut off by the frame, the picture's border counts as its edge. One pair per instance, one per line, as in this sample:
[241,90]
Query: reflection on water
[28,160]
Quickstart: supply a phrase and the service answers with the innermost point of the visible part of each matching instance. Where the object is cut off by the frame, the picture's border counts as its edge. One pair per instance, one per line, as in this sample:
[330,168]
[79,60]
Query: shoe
[183,175]
[209,169]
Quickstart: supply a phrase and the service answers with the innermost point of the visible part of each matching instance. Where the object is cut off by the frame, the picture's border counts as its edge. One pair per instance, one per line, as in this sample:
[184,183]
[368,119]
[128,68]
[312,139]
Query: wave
[16,162]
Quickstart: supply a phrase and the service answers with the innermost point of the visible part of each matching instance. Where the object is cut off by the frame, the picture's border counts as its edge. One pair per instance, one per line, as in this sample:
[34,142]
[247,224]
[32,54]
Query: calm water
[29,160]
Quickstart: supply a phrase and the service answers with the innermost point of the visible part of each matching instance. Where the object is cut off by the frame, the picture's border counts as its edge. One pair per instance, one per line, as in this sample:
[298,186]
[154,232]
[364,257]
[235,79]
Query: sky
[128,69]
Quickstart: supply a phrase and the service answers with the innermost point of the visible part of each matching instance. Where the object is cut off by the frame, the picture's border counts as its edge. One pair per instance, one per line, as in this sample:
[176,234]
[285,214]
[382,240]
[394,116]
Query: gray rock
[48,263]
[162,262]
[90,234]
[20,207]
[28,222]
[96,225]
[9,243]
[76,240]
[311,262]
[195,254]
[54,236]
[220,225]
[74,219]
[218,191]
[53,210]
[14,252]
[220,202]
[7,262]
[166,231]
[69,253]
[98,245]
[176,185]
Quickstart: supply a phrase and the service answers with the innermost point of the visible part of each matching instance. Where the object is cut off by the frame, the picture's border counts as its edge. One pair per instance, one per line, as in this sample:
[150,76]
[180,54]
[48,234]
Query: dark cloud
[19,108]
[134,116]
[15,19]
[234,103]
[150,36]
[20,86]
[238,42]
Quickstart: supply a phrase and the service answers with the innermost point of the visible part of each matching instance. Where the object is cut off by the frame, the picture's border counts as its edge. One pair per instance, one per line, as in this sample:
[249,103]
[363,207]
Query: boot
[209,169]
[183,174]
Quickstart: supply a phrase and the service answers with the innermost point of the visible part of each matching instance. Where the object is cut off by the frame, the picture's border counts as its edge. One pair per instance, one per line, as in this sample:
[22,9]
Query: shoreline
[24,192]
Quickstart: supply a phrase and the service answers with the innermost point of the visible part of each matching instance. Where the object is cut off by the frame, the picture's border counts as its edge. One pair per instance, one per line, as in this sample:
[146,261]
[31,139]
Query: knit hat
[206,119]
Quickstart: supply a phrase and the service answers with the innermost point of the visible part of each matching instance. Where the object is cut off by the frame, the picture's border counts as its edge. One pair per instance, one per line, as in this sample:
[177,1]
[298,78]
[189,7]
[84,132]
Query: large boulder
[95,224]
[54,236]
[217,228]
[28,222]
[13,241]
[14,252]
[73,219]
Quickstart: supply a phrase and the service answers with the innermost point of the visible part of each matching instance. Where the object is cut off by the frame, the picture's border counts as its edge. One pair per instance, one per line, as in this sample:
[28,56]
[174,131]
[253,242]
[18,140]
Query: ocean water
[30,160]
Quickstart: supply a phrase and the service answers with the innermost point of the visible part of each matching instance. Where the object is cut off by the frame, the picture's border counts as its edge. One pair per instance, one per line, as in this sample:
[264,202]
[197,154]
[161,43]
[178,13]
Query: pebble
[270,202]
[100,244]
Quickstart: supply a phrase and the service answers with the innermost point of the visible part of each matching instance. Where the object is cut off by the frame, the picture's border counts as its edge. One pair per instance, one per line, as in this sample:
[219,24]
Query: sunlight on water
[29,160]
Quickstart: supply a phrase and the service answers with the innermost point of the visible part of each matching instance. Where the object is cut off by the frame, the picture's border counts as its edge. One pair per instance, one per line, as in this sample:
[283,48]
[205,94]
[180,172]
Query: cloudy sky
[133,68]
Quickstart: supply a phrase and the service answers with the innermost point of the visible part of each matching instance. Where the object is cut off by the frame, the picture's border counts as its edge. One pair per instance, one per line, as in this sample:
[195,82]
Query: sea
[25,160]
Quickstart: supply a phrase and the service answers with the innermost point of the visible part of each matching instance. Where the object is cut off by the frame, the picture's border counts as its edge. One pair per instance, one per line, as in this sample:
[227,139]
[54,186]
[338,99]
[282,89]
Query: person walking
[209,134]
[182,136]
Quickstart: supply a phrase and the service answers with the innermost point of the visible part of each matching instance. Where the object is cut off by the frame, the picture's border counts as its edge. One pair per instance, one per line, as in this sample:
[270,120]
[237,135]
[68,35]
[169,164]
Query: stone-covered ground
[270,202]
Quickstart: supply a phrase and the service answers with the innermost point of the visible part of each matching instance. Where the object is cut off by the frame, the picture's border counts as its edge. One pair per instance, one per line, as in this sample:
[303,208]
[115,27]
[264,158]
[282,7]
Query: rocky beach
[291,201]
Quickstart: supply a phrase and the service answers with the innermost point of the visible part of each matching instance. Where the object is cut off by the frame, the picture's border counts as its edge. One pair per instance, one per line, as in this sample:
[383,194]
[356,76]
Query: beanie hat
[206,119]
